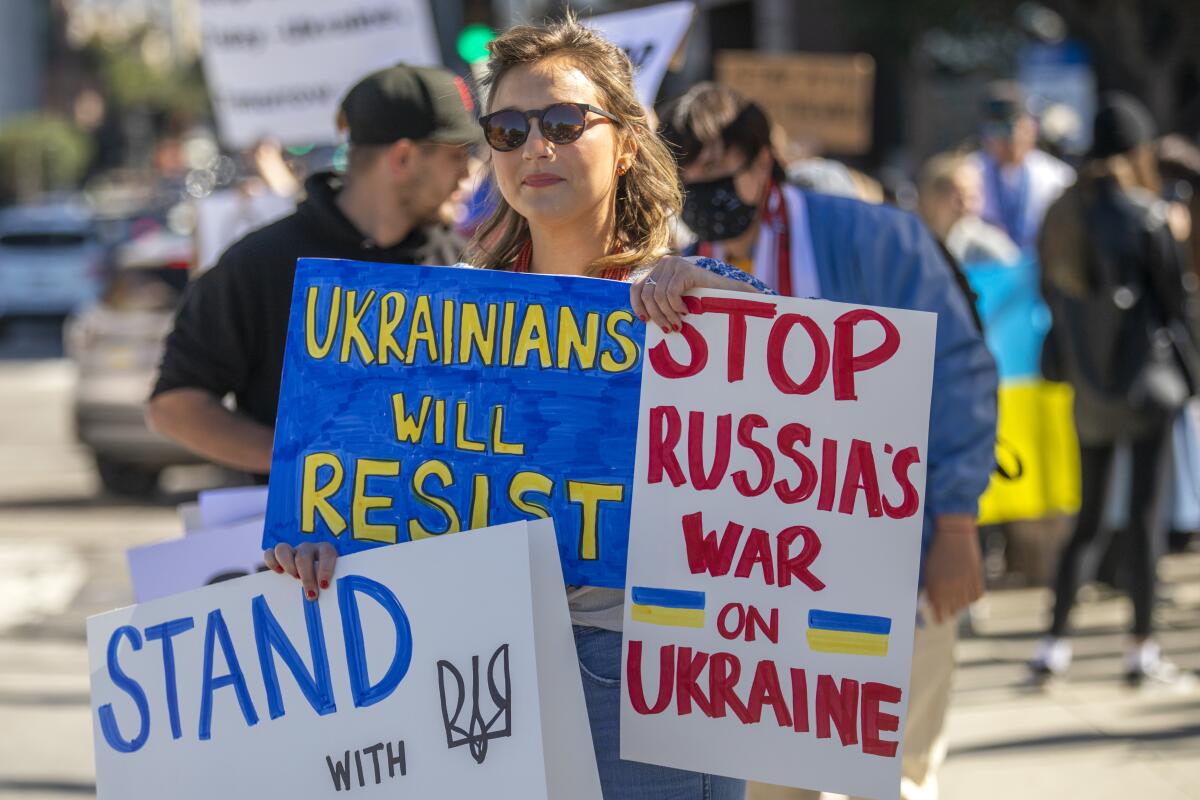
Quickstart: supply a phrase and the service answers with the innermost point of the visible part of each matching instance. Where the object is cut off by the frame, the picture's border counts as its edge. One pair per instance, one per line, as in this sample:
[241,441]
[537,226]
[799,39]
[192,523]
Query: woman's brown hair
[647,194]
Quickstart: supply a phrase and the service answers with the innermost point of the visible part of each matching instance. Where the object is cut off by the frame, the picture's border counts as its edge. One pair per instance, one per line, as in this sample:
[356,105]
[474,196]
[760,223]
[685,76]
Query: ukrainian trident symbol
[477,731]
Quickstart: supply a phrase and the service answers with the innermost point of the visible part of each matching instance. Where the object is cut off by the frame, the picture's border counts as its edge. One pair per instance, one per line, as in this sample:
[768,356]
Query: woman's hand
[311,564]
[657,293]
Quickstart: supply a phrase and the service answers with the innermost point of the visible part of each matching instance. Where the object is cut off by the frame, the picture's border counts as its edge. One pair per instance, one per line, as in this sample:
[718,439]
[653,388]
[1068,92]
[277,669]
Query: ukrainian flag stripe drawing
[667,598]
[851,634]
[672,607]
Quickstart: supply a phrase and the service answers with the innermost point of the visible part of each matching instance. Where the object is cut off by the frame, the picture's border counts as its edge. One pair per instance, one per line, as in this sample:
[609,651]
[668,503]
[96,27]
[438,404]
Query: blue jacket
[878,255]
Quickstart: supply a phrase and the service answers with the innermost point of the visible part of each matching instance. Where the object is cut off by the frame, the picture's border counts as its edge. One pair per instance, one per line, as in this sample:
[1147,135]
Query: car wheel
[129,480]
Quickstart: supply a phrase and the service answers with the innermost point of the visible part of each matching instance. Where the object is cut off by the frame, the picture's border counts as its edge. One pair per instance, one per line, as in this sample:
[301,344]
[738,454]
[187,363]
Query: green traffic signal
[473,41]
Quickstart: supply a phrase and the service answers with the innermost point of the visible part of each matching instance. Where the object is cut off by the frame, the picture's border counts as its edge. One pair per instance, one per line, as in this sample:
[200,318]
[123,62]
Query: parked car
[52,260]
[117,343]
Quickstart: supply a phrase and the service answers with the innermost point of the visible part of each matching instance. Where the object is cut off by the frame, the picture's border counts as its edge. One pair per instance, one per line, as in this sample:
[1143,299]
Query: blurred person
[812,245]
[950,198]
[1019,180]
[1123,337]
[586,187]
[1179,163]
[409,130]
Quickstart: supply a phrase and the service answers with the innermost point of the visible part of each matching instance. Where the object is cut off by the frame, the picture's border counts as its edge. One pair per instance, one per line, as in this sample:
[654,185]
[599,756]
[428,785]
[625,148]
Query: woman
[1122,337]
[585,188]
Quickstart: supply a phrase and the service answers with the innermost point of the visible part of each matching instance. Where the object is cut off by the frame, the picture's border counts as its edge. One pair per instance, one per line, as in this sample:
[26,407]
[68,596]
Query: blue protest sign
[420,401]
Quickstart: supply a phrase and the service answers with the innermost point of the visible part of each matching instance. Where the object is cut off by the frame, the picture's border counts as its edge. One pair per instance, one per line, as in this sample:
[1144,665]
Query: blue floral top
[729,271]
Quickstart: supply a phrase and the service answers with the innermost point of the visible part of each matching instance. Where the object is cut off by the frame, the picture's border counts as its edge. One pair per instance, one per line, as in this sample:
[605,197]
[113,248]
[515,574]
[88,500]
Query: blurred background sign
[650,36]
[823,101]
[279,70]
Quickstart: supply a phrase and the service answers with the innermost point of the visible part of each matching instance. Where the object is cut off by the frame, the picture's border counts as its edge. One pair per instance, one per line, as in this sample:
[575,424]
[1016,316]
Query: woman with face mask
[585,187]
[808,244]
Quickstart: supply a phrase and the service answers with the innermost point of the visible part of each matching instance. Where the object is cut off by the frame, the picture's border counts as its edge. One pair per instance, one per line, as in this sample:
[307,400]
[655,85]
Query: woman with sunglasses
[585,187]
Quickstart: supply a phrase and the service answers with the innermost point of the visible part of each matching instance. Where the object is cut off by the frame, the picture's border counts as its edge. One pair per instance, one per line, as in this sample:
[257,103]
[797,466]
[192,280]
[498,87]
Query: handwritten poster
[279,69]
[444,669]
[421,401]
[204,556]
[776,536]
[650,36]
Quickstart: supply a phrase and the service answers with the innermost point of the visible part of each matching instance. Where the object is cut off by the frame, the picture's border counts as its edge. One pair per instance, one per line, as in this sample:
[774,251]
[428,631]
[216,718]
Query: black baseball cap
[1122,123]
[408,102]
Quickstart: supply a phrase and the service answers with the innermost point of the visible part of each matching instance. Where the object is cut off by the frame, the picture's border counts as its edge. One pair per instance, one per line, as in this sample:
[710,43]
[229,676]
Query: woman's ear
[627,153]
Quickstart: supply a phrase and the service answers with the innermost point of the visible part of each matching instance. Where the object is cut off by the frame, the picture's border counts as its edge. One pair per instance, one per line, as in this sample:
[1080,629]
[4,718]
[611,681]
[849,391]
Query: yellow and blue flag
[851,634]
[677,608]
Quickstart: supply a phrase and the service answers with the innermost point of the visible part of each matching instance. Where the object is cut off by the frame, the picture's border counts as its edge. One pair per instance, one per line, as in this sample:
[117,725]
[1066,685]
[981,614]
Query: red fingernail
[324,584]
[279,570]
[643,319]
[677,328]
[666,330]
[312,595]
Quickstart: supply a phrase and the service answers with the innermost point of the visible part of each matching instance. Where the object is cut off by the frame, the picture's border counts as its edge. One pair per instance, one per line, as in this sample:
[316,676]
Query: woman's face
[551,184]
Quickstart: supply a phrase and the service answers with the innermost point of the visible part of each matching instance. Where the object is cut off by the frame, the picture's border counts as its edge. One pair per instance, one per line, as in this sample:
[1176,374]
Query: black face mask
[713,210]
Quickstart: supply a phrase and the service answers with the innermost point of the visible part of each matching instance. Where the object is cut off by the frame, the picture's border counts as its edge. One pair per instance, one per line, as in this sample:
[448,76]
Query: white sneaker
[1052,660]
[1145,666]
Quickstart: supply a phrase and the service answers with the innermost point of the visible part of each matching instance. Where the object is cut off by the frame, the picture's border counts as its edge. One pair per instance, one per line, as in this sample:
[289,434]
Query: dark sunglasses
[561,123]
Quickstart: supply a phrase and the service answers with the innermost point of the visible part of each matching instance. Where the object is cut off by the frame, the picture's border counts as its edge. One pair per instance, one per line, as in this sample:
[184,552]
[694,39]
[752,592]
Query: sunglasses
[561,123]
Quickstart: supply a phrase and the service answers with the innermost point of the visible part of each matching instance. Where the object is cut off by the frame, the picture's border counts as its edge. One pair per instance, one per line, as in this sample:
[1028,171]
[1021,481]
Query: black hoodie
[231,325]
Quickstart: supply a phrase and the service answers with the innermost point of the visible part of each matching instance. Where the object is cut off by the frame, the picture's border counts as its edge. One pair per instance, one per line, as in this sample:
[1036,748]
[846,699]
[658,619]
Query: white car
[117,343]
[51,260]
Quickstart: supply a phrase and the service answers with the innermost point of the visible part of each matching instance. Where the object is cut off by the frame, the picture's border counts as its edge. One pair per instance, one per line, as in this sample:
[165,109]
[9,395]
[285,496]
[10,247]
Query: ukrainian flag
[851,634]
[673,607]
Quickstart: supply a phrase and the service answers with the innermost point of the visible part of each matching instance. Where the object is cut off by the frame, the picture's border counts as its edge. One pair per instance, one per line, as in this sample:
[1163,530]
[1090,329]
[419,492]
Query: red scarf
[524,263]
[774,215]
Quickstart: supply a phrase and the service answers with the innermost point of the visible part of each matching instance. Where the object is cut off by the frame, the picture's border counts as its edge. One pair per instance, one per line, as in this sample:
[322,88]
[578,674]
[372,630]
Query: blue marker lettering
[356,653]
[108,720]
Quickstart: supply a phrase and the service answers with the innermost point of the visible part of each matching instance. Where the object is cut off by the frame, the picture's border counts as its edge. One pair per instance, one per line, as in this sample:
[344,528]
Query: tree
[39,153]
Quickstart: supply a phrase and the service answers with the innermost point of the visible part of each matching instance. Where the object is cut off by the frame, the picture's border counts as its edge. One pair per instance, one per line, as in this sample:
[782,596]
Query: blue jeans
[600,662]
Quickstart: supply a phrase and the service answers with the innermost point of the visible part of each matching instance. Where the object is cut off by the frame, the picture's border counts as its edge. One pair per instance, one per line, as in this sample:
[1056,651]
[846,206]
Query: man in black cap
[409,131]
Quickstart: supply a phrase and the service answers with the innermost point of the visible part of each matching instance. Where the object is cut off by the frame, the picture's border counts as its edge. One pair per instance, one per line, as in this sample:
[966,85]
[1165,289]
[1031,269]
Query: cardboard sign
[445,669]
[202,557]
[280,69]
[823,99]
[650,36]
[419,401]
[776,540]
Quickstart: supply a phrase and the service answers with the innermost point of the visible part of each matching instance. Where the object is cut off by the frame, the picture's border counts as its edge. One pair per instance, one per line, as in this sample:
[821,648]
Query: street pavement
[62,546]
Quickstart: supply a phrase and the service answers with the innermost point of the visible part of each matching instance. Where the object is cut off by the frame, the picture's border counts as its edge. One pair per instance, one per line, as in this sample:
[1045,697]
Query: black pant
[1082,553]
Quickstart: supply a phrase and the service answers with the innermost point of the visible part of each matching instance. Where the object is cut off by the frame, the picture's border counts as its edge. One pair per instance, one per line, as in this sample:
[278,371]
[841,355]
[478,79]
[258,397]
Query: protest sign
[774,549]
[280,69]
[227,215]
[821,99]
[204,556]
[650,36]
[231,504]
[418,401]
[442,669]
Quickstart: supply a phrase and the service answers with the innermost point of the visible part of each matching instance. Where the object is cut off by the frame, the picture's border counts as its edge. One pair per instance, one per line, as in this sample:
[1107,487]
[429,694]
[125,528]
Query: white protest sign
[650,36]
[231,504]
[279,69]
[225,216]
[204,556]
[443,668]
[773,557]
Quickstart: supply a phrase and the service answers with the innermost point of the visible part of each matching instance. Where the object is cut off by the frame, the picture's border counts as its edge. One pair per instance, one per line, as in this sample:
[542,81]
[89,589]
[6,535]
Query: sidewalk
[1086,737]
